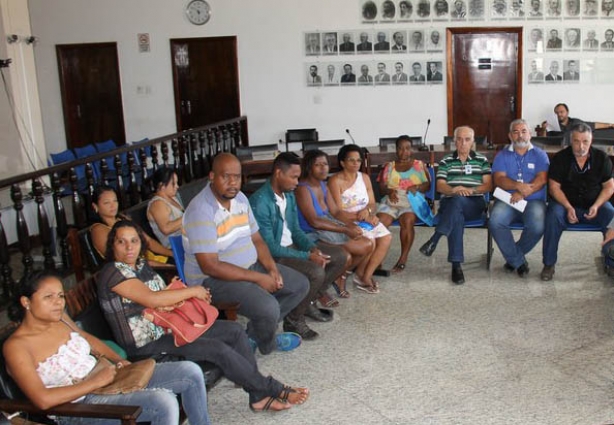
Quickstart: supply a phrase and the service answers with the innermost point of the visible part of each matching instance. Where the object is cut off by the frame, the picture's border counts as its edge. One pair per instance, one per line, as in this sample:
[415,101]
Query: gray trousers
[319,278]
[263,309]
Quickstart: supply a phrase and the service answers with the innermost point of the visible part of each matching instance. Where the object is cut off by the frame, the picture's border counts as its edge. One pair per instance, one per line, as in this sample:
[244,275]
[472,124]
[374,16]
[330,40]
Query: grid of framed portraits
[570,39]
[374,73]
[380,41]
[391,11]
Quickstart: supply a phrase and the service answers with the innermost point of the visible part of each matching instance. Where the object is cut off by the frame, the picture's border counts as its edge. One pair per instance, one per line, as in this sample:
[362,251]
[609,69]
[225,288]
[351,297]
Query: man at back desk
[566,123]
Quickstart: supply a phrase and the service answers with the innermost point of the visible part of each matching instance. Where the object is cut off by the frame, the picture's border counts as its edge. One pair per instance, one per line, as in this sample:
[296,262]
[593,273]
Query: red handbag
[187,320]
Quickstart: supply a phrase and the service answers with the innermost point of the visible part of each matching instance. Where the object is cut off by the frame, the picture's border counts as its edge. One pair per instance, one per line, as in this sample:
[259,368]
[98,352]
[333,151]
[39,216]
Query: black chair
[323,145]
[249,151]
[299,135]
[542,141]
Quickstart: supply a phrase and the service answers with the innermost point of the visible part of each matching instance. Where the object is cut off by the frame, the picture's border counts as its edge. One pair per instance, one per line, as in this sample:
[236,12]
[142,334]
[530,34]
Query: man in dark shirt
[567,123]
[347,46]
[365,46]
[580,186]
[348,76]
[382,45]
[554,42]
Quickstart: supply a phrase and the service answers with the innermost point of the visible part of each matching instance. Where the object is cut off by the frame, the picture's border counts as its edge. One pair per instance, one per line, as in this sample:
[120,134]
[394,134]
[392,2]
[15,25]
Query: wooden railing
[189,153]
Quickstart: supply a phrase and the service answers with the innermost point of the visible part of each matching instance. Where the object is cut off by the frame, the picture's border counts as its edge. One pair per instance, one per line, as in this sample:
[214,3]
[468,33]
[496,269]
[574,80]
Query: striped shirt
[209,228]
[468,173]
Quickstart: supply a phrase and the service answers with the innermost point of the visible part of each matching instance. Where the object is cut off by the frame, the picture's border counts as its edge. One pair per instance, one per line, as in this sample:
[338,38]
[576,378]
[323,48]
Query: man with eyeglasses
[463,177]
[225,253]
[580,186]
[521,170]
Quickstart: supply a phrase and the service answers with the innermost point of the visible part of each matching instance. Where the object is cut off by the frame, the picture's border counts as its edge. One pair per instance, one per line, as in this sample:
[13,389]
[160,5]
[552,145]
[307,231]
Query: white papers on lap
[553,122]
[506,197]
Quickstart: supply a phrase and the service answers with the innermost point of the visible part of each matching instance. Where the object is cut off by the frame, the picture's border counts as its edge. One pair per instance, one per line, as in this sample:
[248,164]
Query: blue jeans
[502,216]
[556,222]
[453,211]
[263,309]
[158,400]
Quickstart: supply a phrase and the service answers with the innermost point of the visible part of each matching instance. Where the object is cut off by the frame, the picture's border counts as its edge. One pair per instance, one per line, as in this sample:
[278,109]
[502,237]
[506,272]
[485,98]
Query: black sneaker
[300,327]
[508,268]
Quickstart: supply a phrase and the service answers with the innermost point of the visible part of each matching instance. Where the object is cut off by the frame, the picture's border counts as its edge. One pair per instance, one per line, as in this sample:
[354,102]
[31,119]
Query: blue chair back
[84,152]
[62,157]
[179,254]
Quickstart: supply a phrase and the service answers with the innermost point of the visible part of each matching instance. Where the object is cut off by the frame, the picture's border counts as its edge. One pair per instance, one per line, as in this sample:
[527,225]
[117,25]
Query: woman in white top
[50,360]
[165,209]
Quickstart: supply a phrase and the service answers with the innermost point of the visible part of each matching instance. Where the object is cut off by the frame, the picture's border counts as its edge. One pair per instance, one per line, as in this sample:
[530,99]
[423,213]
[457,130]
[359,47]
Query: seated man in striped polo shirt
[462,178]
[225,253]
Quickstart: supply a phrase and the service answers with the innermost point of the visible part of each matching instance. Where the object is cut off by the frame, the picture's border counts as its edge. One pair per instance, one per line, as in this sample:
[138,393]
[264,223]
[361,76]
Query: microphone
[490,146]
[347,130]
[423,146]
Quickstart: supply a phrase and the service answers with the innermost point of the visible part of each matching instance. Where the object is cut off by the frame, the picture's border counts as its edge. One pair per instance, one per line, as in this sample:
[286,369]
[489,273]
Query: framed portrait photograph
[399,42]
[553,9]
[423,10]
[590,9]
[365,73]
[554,42]
[535,40]
[590,42]
[314,79]
[348,75]
[435,41]
[399,77]
[388,11]
[608,43]
[441,10]
[346,43]
[573,39]
[405,11]
[329,43]
[312,44]
[534,9]
[476,10]
[382,43]
[417,74]
[516,10]
[368,11]
[553,74]
[572,9]
[459,10]
[331,74]
[364,42]
[607,9]
[416,43]
[535,73]
[571,70]
[434,73]
[498,9]
[382,74]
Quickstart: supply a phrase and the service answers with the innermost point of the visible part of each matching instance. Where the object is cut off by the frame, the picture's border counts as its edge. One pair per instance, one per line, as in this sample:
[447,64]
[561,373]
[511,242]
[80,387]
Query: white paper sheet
[506,197]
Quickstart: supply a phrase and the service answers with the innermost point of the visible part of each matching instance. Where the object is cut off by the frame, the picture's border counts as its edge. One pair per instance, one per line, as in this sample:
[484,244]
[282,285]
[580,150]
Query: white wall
[271,65]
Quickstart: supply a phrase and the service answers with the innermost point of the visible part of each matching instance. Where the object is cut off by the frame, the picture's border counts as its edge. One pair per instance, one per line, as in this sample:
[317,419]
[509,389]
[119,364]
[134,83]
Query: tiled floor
[497,350]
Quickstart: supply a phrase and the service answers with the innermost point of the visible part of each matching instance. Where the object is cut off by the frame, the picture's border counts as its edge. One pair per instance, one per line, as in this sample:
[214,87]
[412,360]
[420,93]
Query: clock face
[198,12]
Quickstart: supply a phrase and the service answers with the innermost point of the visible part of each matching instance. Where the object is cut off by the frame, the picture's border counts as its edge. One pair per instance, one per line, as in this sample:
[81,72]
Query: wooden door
[91,93]
[484,80]
[206,80]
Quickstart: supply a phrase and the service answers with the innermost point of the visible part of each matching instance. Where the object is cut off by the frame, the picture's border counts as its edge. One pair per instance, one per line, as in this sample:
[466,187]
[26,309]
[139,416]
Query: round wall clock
[198,12]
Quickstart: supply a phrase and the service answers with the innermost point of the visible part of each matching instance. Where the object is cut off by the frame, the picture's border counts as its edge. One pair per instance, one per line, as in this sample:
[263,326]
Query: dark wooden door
[484,80]
[206,79]
[91,93]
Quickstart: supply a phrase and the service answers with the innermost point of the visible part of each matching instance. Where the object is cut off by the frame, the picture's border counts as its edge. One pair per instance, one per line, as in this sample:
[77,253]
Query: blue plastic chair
[62,157]
[84,152]
[179,254]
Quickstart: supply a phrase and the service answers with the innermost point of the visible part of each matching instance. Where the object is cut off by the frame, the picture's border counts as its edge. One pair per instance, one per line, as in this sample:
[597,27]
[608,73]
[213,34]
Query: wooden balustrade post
[60,219]
[211,145]
[44,230]
[146,182]
[190,156]
[134,187]
[164,149]
[177,165]
[154,158]
[226,139]
[5,269]
[77,202]
[104,169]
[202,153]
[219,141]
[23,236]
[122,197]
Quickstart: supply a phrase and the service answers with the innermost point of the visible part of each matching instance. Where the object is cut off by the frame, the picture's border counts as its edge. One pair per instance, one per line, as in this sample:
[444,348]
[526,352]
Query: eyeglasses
[353,160]
[227,178]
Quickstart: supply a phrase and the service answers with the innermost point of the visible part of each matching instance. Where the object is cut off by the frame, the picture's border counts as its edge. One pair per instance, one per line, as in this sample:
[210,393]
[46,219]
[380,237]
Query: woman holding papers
[521,170]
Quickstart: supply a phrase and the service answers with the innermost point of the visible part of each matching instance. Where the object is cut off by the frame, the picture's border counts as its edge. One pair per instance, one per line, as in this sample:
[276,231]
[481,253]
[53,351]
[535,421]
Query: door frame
[451,32]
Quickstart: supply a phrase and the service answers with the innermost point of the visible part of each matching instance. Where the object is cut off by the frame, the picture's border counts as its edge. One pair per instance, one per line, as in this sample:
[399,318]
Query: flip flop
[398,268]
[360,285]
[268,405]
[328,301]
[342,293]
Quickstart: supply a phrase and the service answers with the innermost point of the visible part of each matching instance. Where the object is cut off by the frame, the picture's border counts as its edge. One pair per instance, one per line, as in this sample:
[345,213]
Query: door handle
[512,104]
[79,111]
[189,104]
